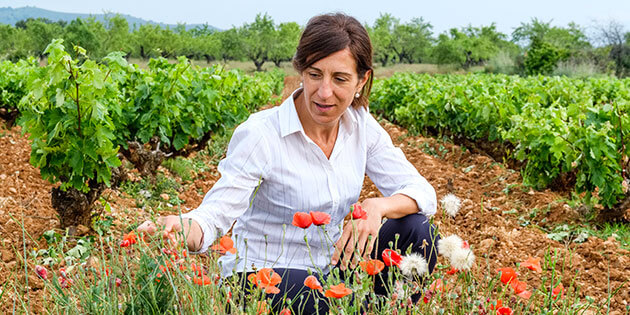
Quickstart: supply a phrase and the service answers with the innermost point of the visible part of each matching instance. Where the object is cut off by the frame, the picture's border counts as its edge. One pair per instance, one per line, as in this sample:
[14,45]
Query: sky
[443,15]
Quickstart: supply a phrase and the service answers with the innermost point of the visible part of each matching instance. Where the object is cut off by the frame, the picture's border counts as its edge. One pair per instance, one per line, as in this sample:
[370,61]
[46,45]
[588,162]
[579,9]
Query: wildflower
[338,291]
[532,264]
[358,212]
[507,274]
[496,305]
[452,271]
[518,286]
[302,220]
[320,218]
[414,265]
[266,279]
[285,311]
[65,282]
[504,311]
[391,257]
[437,286]
[202,280]
[312,282]
[261,308]
[451,204]
[226,245]
[118,282]
[41,272]
[372,267]
[448,245]
[462,259]
[525,294]
[558,291]
[129,239]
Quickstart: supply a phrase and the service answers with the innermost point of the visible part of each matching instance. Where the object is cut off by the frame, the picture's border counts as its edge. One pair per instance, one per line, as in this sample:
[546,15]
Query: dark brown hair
[329,33]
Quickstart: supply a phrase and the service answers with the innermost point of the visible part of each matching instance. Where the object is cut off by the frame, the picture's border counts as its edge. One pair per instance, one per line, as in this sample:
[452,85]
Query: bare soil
[493,200]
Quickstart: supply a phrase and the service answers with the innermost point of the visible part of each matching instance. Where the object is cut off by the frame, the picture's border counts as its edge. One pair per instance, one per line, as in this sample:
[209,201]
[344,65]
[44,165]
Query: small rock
[165,197]
[82,230]
[486,245]
[3,176]
[12,190]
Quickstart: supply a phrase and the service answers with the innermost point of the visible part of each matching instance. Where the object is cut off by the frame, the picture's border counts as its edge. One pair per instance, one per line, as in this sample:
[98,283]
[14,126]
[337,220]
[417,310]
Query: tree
[147,39]
[286,40]
[470,46]
[412,41]
[258,38]
[614,37]
[118,37]
[39,34]
[382,35]
[231,44]
[79,33]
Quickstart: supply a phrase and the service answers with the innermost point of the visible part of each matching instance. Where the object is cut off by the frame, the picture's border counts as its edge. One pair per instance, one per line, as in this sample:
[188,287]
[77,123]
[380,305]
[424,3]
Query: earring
[301,84]
[357,95]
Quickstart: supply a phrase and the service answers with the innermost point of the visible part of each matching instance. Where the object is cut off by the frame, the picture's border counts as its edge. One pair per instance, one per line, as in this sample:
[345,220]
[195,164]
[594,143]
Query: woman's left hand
[359,236]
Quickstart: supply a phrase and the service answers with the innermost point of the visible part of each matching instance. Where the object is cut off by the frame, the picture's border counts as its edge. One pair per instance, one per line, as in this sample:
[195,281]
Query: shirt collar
[290,122]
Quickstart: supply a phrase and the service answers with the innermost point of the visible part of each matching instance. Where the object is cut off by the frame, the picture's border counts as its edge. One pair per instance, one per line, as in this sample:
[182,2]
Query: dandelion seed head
[448,245]
[462,259]
[451,204]
[414,265]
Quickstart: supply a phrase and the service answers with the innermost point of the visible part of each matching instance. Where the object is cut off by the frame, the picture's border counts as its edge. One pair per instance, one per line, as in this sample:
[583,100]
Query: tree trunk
[259,65]
[145,159]
[9,116]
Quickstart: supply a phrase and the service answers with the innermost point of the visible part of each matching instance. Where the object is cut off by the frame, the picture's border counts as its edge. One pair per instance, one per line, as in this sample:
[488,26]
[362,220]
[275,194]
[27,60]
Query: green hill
[10,16]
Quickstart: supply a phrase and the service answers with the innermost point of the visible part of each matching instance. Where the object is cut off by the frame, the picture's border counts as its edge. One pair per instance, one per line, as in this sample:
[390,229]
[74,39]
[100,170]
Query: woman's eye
[314,75]
[340,79]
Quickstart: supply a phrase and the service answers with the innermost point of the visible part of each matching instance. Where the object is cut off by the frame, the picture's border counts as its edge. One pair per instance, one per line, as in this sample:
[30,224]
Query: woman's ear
[363,81]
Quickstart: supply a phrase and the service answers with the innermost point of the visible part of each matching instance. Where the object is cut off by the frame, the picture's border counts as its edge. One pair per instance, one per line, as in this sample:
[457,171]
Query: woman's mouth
[323,108]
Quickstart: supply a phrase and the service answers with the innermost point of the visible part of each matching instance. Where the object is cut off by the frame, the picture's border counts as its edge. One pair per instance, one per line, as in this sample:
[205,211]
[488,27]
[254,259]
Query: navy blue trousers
[412,231]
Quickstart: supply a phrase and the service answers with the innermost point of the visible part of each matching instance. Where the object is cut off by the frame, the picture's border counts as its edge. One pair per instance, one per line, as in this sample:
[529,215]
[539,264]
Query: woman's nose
[325,89]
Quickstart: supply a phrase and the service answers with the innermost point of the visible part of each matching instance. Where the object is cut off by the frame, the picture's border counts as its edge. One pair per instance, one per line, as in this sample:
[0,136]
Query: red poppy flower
[372,267]
[320,218]
[525,294]
[532,264]
[41,272]
[262,308]
[504,311]
[437,285]
[226,245]
[129,239]
[202,280]
[302,220]
[358,212]
[557,292]
[266,279]
[452,271]
[118,282]
[391,257]
[312,282]
[507,274]
[338,291]
[518,286]
[497,305]
[285,311]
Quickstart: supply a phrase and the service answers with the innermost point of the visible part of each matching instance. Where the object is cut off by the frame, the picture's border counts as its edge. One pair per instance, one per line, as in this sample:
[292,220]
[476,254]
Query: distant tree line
[535,47]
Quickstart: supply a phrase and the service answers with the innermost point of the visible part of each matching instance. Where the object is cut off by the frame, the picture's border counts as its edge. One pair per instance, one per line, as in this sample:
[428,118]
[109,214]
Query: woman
[311,153]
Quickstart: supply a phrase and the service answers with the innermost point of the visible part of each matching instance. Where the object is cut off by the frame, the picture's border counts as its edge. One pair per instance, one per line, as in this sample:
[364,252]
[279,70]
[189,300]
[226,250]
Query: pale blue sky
[507,14]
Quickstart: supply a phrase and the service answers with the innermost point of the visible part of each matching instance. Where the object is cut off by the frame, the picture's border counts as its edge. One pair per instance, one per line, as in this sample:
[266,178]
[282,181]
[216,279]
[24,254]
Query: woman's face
[330,85]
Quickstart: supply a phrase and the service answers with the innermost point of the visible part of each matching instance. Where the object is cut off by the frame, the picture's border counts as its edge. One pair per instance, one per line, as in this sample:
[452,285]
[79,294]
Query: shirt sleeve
[392,173]
[242,170]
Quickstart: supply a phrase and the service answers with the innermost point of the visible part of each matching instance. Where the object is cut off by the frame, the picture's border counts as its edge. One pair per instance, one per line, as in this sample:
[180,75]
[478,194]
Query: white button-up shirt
[273,170]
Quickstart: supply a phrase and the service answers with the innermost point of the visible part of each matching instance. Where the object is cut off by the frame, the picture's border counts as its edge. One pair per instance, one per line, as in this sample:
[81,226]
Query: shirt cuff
[209,231]
[426,201]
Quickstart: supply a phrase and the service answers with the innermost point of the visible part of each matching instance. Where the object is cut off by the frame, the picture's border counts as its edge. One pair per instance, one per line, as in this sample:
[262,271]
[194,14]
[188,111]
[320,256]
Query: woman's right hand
[172,227]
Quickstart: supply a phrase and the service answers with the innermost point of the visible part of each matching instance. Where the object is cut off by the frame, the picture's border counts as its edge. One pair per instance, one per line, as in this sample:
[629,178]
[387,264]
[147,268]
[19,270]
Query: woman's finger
[147,227]
[360,246]
[341,243]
